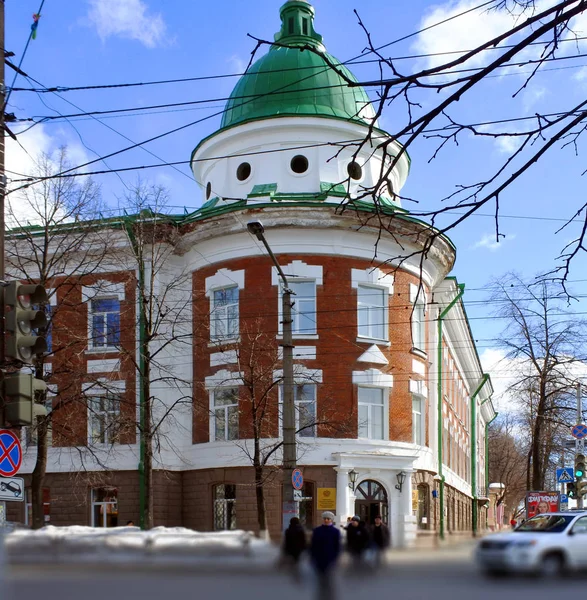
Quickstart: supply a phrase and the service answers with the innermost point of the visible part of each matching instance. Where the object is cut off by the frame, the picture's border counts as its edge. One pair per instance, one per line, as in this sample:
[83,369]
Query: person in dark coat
[357,539]
[294,544]
[380,538]
[324,551]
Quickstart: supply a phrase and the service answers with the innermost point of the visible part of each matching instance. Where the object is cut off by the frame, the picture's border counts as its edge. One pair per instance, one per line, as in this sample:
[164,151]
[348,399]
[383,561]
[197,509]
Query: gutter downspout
[142,490]
[475,509]
[461,288]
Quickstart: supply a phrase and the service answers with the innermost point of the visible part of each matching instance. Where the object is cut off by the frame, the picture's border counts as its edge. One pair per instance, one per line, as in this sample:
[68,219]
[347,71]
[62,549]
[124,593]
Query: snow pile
[130,544]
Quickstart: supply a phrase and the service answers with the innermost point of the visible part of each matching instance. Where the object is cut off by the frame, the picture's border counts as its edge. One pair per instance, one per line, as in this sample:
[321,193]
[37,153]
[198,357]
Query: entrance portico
[376,489]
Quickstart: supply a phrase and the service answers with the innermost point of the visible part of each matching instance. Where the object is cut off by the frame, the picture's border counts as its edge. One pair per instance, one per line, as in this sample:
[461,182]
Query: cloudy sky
[95,42]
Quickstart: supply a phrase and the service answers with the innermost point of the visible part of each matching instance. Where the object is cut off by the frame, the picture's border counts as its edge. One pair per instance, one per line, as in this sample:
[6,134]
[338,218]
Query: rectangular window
[305,26]
[417,407]
[372,312]
[306,505]
[225,414]
[303,311]
[371,413]
[305,406]
[224,506]
[104,419]
[104,507]
[224,318]
[28,517]
[105,319]
[419,326]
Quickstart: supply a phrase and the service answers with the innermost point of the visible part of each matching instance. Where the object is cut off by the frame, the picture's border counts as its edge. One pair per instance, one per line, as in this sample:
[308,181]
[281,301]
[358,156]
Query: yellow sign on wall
[327,499]
[414,501]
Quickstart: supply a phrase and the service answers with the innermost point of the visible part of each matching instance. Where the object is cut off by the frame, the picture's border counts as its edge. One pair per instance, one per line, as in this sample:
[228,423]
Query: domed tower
[289,152]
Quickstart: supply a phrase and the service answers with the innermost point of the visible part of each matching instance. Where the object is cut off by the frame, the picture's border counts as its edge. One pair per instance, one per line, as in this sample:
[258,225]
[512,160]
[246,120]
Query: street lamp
[353,479]
[401,477]
[289,412]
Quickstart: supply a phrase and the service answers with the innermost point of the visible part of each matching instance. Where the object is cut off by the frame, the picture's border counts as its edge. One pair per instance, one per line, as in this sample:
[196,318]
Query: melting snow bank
[161,545]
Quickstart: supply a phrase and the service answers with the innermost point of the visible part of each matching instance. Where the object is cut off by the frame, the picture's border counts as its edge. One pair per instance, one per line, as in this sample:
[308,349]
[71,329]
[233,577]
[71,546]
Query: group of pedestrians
[326,546]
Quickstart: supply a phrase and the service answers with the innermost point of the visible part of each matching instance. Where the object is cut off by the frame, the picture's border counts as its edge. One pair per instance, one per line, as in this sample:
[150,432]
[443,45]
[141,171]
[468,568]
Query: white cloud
[489,241]
[237,64]
[129,19]
[504,373]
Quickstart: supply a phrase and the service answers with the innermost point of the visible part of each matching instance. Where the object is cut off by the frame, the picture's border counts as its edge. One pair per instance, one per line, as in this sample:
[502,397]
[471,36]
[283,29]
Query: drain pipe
[486,460]
[142,481]
[461,288]
[475,509]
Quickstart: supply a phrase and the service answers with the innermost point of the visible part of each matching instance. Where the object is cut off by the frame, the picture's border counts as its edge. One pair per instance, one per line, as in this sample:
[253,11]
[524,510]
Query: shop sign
[327,499]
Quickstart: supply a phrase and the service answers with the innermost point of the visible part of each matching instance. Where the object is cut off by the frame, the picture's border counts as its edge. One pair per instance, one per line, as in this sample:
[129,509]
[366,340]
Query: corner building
[391,401]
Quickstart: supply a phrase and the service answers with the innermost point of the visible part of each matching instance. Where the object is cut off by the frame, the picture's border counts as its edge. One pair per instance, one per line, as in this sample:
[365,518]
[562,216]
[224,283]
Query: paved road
[406,579]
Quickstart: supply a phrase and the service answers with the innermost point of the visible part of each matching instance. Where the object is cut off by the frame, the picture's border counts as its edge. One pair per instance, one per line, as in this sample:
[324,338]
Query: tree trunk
[148,442]
[260,493]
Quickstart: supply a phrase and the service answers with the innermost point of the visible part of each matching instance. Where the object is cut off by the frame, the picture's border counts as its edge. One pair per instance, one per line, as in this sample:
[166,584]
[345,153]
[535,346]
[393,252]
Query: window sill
[300,336]
[104,350]
[376,341]
[220,345]
[419,353]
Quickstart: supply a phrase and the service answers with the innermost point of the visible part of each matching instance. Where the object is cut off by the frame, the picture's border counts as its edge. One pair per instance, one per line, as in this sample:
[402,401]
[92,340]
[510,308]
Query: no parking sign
[10,453]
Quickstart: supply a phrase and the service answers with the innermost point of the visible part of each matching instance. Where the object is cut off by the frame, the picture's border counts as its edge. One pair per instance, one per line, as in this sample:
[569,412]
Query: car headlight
[525,544]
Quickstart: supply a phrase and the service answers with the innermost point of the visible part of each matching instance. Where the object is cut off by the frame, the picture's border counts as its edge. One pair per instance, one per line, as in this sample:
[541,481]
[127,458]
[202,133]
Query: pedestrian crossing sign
[565,475]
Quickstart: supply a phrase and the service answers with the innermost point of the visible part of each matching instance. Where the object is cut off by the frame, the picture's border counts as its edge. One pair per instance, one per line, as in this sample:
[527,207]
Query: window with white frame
[104,418]
[104,322]
[104,507]
[417,419]
[225,414]
[224,314]
[305,406]
[303,311]
[371,413]
[224,506]
[372,312]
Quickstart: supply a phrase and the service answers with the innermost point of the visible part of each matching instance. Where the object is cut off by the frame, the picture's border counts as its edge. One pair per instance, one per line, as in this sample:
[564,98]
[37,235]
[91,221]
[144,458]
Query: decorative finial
[297,24]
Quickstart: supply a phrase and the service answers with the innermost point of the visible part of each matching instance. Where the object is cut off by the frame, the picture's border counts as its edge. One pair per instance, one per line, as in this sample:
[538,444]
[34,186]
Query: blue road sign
[297,479]
[564,499]
[566,475]
[579,431]
[10,453]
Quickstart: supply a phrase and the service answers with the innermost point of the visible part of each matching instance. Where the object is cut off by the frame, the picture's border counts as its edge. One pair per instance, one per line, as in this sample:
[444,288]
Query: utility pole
[289,506]
[579,448]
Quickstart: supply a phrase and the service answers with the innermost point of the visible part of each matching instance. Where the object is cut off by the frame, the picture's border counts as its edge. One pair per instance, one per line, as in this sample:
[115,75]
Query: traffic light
[579,467]
[20,390]
[571,490]
[22,344]
[581,489]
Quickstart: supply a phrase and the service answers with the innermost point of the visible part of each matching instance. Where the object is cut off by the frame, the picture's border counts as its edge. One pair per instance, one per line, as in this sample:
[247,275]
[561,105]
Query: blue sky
[91,42]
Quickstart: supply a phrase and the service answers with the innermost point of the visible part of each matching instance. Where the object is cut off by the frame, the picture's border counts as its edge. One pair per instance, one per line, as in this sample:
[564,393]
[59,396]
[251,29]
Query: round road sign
[579,431]
[10,453]
[297,479]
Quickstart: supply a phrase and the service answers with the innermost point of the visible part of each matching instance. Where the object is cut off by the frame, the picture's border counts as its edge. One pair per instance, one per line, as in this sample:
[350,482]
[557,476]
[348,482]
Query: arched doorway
[370,501]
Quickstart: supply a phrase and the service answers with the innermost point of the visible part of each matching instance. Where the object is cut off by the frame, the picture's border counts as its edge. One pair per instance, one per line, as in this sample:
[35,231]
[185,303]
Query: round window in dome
[208,190]
[299,164]
[354,170]
[243,171]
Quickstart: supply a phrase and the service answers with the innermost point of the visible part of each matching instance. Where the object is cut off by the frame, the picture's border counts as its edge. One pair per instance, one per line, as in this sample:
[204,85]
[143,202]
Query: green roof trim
[333,189]
[263,189]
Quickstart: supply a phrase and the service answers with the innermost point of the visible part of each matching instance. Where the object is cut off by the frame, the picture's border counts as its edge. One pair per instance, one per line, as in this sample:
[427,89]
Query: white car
[547,544]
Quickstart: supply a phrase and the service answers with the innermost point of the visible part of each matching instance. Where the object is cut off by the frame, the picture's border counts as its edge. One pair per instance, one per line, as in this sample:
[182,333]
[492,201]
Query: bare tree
[545,345]
[53,240]
[507,462]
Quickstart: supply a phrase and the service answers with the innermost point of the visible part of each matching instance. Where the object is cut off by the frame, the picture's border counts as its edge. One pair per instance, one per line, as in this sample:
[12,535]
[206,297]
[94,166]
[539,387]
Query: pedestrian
[324,550]
[294,544]
[357,539]
[380,539]
[513,523]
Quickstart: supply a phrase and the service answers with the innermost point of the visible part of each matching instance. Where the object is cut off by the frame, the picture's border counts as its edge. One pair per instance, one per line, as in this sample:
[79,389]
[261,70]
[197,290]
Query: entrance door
[371,500]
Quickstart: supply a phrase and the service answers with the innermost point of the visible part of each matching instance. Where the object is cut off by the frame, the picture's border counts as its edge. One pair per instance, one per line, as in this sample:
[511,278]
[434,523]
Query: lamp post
[353,479]
[289,507]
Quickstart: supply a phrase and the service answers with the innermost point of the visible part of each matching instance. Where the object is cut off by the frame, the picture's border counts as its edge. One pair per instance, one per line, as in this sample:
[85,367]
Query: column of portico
[408,528]
[344,496]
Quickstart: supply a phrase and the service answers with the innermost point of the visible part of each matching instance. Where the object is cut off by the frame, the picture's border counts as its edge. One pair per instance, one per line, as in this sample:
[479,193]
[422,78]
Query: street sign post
[12,489]
[297,479]
[297,495]
[565,475]
[564,501]
[10,453]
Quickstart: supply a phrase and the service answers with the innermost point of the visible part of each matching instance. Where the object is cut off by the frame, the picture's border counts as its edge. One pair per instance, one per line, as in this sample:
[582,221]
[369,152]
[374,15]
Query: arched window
[224,506]
[423,506]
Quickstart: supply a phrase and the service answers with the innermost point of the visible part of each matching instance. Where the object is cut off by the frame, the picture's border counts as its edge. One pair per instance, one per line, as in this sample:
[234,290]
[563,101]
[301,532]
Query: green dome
[296,81]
